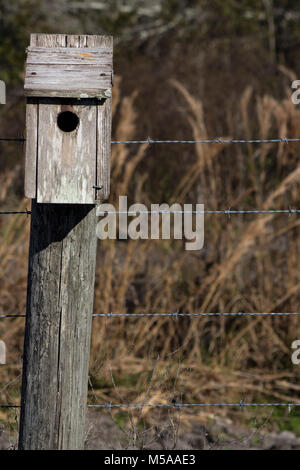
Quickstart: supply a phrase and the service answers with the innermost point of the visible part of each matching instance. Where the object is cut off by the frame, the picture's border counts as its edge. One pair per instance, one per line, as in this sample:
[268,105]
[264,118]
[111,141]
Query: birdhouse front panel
[68,118]
[67,150]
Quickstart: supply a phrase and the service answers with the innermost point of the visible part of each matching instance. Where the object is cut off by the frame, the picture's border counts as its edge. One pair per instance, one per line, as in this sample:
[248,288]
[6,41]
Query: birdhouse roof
[69,72]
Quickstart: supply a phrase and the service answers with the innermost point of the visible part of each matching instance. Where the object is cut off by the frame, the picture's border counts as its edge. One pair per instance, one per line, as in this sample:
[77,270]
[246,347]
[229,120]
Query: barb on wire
[176,314]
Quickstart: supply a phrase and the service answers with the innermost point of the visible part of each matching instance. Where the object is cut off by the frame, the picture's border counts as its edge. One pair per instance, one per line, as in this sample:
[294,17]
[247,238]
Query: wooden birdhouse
[68,84]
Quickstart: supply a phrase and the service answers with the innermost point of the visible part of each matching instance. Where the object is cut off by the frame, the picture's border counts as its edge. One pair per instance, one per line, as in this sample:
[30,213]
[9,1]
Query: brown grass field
[248,264]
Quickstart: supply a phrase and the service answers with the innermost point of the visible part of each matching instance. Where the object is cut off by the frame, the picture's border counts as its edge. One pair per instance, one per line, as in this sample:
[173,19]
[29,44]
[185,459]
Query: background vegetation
[185,69]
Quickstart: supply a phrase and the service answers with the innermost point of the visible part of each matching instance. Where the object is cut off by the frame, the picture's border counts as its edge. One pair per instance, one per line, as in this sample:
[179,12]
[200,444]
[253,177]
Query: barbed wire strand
[15,212]
[227,212]
[12,139]
[12,316]
[241,404]
[218,140]
[177,314]
[289,211]
[10,406]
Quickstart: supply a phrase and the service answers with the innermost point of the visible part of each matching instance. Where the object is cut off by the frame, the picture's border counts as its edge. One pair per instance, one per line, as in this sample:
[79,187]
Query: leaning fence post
[68,120]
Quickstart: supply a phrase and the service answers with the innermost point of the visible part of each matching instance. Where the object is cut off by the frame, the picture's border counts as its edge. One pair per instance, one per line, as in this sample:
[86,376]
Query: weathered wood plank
[72,76]
[66,160]
[91,69]
[31,147]
[62,40]
[48,40]
[104,148]
[78,80]
[58,326]
[79,58]
[33,39]
[99,41]
[59,69]
[104,120]
[79,93]
[72,56]
[70,51]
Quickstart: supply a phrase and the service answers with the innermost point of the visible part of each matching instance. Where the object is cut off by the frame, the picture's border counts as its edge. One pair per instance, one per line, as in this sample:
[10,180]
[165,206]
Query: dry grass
[247,264]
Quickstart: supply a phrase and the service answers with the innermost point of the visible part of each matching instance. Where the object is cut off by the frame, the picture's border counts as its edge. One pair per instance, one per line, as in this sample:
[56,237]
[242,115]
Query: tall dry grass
[247,264]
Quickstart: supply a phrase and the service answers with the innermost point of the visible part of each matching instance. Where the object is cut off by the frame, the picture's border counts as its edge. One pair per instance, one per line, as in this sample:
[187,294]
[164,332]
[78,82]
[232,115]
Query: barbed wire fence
[176,315]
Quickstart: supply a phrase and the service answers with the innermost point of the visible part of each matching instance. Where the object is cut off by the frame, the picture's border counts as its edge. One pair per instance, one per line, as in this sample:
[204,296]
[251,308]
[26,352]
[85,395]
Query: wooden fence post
[64,164]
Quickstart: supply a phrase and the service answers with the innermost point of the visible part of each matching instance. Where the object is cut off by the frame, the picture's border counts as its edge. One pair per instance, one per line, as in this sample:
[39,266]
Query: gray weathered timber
[64,166]
[58,326]
[70,40]
[82,92]
[104,148]
[69,70]
[32,108]
[66,159]
[48,40]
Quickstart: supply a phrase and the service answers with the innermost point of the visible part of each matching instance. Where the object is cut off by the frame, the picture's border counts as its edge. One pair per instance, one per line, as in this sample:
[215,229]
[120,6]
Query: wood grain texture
[64,167]
[79,93]
[31,150]
[58,326]
[61,271]
[65,40]
[104,148]
[48,40]
[69,66]
[66,160]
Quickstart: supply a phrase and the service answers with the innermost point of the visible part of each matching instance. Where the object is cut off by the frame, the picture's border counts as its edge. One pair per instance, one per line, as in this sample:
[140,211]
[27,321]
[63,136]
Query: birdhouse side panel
[66,170]
[31,147]
[104,148]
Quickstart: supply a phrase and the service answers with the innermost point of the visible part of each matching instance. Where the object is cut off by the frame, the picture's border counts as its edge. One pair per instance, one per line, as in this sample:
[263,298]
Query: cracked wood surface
[61,272]
[58,326]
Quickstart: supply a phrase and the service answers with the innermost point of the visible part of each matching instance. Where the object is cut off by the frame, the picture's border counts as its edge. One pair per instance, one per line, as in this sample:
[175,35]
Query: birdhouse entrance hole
[67,121]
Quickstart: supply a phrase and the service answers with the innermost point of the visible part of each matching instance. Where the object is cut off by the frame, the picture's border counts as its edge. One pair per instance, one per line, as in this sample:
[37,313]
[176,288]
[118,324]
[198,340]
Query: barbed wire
[218,140]
[240,404]
[12,139]
[15,212]
[227,212]
[10,406]
[177,314]
[11,316]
